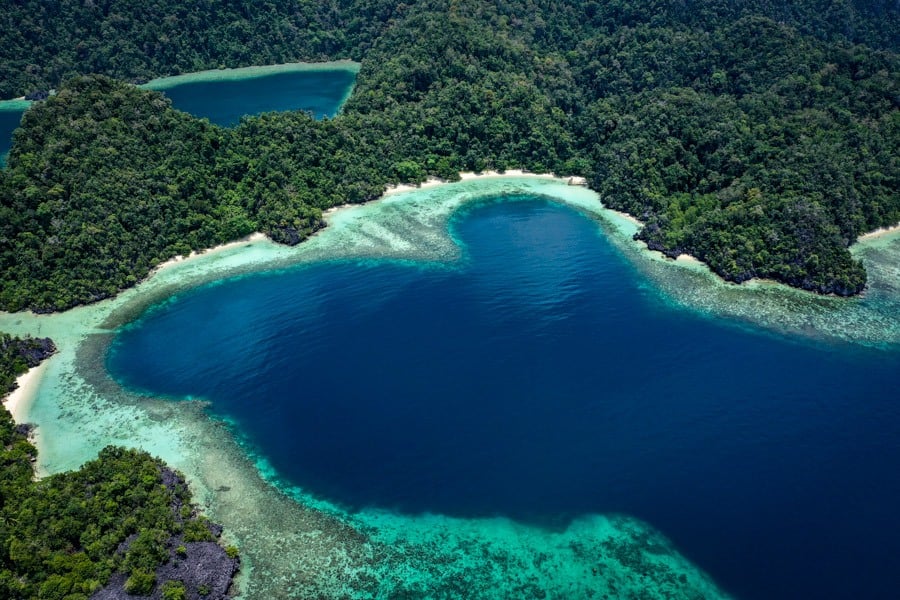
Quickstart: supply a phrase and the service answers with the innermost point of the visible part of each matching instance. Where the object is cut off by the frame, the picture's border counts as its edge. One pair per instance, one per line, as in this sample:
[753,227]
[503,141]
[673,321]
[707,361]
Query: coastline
[19,401]
[15,105]
[471,175]
[243,73]
[279,530]
[232,74]
[253,237]
[878,233]
[682,259]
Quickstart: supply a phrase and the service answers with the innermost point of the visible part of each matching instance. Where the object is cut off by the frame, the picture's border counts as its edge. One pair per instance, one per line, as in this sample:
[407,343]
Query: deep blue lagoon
[540,378]
[320,92]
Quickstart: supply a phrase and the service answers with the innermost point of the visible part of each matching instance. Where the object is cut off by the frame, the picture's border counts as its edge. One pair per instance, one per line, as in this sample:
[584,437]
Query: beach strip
[243,73]
[20,400]
[470,175]
[880,232]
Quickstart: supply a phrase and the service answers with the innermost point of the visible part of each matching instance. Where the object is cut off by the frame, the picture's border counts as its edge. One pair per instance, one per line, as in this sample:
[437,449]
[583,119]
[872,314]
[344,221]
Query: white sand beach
[880,232]
[253,237]
[19,401]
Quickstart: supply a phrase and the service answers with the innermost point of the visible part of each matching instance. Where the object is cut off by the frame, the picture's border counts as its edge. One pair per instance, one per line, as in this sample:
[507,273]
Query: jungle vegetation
[63,537]
[761,137]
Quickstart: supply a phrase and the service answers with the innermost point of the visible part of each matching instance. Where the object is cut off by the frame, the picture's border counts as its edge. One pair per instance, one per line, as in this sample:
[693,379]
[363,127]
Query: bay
[321,92]
[225,96]
[536,378]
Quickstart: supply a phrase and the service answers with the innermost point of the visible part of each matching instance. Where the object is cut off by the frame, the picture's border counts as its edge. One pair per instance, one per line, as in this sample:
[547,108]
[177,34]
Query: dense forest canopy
[44,41]
[761,137]
[17,355]
[123,521]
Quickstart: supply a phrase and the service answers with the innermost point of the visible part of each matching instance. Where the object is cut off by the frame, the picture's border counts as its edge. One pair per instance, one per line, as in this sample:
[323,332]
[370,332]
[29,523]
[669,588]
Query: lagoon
[224,96]
[536,376]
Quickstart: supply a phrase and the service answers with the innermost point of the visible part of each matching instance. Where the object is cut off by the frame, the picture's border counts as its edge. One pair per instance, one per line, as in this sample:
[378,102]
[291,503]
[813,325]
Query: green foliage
[147,550]
[140,583]
[63,537]
[42,43]
[45,42]
[106,181]
[719,123]
[174,590]
[231,551]
[197,530]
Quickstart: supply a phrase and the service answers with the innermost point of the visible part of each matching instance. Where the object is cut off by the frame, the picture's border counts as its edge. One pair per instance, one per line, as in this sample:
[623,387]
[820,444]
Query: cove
[225,96]
[537,378]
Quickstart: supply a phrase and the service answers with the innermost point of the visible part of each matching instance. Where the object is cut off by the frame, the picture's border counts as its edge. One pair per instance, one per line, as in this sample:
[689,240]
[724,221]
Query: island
[118,526]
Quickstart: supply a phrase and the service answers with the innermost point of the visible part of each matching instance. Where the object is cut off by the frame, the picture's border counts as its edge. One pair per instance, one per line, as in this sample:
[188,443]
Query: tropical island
[123,524]
[760,142]
[761,139]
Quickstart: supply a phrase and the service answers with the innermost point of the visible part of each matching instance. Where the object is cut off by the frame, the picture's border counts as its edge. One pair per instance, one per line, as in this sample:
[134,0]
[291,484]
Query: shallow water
[537,379]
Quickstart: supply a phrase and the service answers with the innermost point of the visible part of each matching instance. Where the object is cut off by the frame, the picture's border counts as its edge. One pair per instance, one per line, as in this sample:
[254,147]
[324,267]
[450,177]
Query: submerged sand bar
[18,104]
[244,73]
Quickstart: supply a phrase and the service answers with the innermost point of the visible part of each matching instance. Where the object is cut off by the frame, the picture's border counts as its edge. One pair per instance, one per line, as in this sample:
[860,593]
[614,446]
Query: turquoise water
[9,121]
[538,378]
[224,102]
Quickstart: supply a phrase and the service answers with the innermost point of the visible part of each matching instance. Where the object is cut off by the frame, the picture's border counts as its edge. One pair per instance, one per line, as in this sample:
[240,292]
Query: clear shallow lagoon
[224,97]
[541,378]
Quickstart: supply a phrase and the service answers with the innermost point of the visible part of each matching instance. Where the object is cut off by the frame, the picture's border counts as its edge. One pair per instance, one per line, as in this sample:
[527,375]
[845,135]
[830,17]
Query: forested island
[760,137]
[122,524]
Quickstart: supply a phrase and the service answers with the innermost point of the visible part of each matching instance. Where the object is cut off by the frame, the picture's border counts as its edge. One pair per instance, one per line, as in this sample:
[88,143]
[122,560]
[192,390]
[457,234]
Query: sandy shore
[688,258]
[627,217]
[19,402]
[253,237]
[469,175]
[881,232]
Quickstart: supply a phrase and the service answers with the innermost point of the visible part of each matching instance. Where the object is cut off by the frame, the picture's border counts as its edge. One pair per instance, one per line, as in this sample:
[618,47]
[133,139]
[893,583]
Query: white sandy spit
[19,401]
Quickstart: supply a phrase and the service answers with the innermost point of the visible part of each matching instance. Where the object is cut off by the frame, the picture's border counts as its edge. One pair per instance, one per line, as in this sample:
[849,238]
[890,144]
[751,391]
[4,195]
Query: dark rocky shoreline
[205,569]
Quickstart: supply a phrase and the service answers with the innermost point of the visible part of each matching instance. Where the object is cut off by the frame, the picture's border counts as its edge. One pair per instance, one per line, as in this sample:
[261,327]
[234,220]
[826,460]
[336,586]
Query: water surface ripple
[538,377]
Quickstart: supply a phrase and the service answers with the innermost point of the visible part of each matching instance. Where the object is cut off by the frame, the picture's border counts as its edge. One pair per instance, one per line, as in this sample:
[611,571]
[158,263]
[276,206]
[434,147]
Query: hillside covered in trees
[122,523]
[761,137]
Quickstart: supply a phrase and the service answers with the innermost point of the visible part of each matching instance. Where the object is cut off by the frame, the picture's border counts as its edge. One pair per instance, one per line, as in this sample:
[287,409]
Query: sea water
[538,377]
[321,92]
[225,96]
[9,122]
